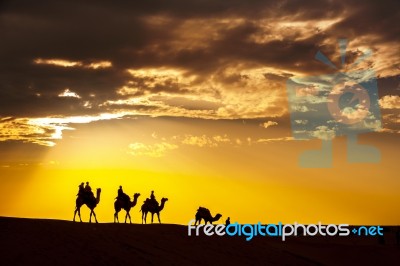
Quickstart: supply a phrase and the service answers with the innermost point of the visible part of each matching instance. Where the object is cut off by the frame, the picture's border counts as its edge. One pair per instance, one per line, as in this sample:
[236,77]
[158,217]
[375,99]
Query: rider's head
[87,183]
[120,186]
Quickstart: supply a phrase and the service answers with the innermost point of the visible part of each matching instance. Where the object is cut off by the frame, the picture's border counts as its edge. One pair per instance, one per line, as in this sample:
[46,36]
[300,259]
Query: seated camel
[205,214]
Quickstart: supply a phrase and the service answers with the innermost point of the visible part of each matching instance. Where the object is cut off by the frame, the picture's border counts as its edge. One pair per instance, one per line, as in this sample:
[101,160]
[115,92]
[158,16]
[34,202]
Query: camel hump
[123,197]
[204,211]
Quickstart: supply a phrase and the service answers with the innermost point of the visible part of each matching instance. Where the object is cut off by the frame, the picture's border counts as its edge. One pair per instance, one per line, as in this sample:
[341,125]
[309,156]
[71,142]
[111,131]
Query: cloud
[200,141]
[390,121]
[268,124]
[57,62]
[220,138]
[205,141]
[323,132]
[357,113]
[162,148]
[150,150]
[390,102]
[44,131]
[66,63]
[198,59]
[22,130]
[263,140]
[68,93]
[301,121]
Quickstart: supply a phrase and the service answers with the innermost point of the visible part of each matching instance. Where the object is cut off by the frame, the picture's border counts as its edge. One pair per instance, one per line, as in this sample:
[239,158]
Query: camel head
[136,195]
[98,190]
[164,200]
[217,217]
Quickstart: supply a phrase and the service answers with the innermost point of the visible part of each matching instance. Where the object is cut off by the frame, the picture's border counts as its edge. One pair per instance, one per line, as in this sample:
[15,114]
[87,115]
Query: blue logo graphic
[326,106]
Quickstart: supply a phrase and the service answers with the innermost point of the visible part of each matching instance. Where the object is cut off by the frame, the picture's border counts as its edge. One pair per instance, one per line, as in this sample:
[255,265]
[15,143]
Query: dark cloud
[370,17]
[149,34]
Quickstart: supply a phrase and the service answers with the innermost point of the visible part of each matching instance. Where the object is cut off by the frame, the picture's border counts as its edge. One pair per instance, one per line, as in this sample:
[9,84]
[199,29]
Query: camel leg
[95,218]
[152,216]
[76,209]
[126,216]
[129,215]
[94,214]
[116,217]
[158,215]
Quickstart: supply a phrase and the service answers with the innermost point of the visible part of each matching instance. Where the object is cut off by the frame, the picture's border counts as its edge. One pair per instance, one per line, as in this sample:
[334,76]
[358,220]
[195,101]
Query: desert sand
[56,242]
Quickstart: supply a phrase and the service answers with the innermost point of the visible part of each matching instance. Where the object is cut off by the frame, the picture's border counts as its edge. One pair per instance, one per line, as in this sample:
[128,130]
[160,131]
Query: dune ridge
[56,242]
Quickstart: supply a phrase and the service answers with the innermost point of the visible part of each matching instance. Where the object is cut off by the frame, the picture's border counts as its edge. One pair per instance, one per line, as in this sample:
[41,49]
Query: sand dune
[53,242]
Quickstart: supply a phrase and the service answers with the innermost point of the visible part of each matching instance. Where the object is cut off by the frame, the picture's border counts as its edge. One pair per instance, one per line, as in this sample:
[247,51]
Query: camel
[204,213]
[126,205]
[149,206]
[91,202]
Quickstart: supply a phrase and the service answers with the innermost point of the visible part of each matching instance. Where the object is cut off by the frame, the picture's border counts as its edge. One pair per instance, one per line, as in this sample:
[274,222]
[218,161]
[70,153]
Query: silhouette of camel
[90,201]
[125,204]
[204,213]
[149,206]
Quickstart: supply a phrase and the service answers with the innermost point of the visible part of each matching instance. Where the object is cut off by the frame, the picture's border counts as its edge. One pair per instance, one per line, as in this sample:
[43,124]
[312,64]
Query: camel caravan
[86,197]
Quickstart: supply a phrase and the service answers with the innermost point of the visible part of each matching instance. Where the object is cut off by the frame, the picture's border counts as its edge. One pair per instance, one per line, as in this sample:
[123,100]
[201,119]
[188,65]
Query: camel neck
[98,197]
[133,203]
[162,205]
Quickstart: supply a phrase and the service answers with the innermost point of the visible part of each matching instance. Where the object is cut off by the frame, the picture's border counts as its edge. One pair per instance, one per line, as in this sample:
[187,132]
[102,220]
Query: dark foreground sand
[53,242]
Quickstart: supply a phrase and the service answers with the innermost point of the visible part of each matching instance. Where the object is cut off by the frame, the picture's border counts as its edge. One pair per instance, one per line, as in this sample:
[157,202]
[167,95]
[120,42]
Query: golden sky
[190,100]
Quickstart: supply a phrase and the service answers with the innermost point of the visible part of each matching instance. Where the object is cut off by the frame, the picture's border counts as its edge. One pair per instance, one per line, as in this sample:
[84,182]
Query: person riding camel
[88,190]
[87,187]
[120,192]
[81,189]
[122,195]
[152,200]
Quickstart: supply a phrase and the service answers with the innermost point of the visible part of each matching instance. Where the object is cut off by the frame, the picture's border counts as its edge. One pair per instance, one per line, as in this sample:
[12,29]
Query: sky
[191,99]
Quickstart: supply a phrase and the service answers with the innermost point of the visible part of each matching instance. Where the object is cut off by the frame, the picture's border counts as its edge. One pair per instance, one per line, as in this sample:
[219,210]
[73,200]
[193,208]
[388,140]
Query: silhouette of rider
[120,192]
[122,195]
[81,189]
[87,187]
[228,221]
[152,200]
[88,191]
